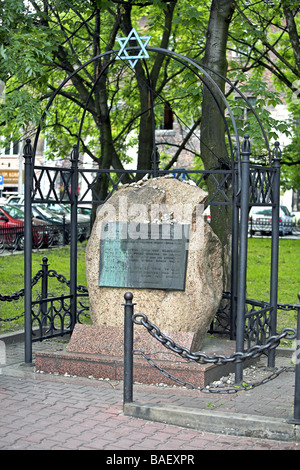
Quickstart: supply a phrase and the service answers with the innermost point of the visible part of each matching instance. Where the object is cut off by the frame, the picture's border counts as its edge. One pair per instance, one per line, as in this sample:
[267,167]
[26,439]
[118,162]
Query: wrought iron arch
[239,170]
[186,61]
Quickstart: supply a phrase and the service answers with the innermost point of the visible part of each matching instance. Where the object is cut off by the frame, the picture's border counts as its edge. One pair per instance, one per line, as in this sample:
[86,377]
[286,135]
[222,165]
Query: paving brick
[41,411]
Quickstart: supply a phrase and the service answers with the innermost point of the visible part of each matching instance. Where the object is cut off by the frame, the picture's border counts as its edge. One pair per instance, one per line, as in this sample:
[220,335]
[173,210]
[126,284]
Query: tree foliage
[44,41]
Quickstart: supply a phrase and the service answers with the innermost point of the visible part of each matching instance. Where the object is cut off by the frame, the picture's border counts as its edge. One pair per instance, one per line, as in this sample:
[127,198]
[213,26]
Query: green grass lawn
[258,278]
[259,261]
[12,279]
[258,275]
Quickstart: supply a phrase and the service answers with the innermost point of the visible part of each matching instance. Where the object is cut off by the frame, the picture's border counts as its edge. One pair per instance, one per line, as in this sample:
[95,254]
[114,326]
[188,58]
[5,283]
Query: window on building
[237,54]
[13,149]
[242,110]
[296,201]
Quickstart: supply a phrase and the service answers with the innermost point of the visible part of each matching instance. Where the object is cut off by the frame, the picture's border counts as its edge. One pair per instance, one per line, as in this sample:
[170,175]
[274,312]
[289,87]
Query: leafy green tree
[266,37]
[42,42]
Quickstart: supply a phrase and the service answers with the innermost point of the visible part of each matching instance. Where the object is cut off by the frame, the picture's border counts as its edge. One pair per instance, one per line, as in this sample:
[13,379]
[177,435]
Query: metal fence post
[234,255]
[73,248]
[44,291]
[28,157]
[128,348]
[274,249]
[242,263]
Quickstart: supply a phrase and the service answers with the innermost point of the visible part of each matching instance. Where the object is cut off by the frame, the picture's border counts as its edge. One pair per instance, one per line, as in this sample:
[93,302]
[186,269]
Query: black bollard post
[44,293]
[128,347]
[242,262]
[274,250]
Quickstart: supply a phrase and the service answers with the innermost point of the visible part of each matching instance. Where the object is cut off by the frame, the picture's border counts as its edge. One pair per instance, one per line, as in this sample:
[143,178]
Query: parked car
[57,208]
[15,199]
[85,210]
[206,215]
[64,210]
[62,220]
[42,213]
[260,220]
[61,210]
[12,229]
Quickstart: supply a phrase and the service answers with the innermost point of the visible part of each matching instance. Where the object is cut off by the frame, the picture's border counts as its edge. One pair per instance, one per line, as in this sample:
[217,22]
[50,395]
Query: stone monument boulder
[163,200]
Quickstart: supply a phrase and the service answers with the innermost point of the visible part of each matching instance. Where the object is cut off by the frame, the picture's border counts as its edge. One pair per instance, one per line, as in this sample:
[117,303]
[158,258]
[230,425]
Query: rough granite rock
[158,200]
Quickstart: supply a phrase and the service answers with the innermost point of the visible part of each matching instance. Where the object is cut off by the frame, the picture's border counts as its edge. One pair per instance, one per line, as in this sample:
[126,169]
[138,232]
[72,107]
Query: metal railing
[271,343]
[240,186]
[50,313]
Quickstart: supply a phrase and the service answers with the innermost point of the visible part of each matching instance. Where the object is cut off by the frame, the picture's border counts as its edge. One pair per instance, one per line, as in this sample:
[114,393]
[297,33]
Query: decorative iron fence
[239,187]
[50,314]
[49,177]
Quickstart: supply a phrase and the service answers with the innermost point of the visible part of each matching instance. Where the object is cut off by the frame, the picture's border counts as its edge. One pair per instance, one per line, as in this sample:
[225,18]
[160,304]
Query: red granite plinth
[89,339]
[98,352]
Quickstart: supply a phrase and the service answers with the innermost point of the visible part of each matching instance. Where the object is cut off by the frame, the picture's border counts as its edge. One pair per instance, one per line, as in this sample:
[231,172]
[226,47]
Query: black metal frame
[251,185]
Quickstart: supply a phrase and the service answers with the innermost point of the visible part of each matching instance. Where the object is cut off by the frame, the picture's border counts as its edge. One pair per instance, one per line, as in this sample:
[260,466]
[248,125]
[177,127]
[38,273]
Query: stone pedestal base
[98,352]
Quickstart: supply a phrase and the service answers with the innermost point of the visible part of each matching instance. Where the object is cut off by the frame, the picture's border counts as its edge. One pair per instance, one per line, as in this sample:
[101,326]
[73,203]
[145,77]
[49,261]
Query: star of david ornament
[141,40]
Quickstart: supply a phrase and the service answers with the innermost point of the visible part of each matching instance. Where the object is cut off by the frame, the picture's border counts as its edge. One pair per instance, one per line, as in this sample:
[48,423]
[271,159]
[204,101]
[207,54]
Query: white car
[260,220]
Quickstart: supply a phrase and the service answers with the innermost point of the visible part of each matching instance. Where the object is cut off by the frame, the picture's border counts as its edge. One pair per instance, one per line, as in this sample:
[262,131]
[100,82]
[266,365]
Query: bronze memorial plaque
[141,255]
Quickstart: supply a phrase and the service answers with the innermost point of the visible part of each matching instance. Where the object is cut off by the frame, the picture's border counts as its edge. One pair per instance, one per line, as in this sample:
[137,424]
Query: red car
[12,229]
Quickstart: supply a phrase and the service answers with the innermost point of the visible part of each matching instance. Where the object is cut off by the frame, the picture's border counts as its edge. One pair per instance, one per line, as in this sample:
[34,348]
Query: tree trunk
[213,147]
[145,81]
[293,34]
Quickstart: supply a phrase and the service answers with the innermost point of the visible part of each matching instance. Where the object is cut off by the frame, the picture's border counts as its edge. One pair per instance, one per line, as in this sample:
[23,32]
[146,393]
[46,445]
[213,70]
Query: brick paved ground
[48,412]
[56,413]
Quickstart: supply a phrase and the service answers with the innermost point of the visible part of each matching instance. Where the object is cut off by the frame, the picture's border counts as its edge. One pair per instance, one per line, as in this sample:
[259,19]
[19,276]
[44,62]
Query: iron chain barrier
[43,296]
[202,358]
[61,278]
[218,359]
[17,295]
